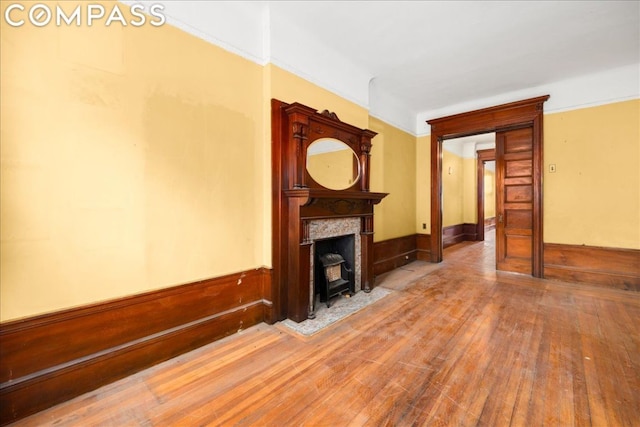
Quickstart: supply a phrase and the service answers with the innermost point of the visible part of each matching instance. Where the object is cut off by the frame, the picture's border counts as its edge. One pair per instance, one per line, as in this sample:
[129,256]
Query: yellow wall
[288,87]
[393,171]
[139,158]
[452,189]
[489,194]
[127,163]
[459,188]
[469,191]
[594,197]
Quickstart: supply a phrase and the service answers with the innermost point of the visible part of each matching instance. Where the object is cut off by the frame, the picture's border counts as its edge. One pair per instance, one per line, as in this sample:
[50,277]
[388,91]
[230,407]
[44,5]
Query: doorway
[486,189]
[503,119]
[462,212]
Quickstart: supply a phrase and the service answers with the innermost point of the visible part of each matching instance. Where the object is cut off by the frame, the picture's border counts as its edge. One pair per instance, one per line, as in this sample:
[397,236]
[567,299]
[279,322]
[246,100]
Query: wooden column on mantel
[297,199]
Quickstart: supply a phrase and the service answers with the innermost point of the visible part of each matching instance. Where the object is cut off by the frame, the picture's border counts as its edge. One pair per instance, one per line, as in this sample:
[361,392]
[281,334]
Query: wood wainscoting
[454,234]
[393,253]
[423,243]
[610,267]
[460,347]
[51,358]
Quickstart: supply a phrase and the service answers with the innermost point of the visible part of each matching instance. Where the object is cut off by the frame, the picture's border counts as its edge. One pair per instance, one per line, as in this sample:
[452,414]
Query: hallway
[454,344]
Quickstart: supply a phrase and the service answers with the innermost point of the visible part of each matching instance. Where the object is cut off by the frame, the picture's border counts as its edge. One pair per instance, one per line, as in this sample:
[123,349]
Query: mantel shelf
[316,193]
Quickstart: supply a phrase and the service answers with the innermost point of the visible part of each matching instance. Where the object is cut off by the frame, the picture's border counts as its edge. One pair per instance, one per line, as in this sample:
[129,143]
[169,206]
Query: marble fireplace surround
[324,212]
[330,228]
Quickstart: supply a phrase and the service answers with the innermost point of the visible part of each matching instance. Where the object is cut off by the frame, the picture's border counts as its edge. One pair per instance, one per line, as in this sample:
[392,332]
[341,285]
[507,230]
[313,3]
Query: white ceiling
[432,54]
[419,57]
[467,146]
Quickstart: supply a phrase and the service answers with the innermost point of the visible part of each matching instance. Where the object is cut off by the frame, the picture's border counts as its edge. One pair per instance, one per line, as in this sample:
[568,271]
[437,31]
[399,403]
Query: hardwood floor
[463,345]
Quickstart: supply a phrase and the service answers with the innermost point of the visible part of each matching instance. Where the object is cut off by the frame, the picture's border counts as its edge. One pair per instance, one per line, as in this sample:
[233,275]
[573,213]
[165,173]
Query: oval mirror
[332,164]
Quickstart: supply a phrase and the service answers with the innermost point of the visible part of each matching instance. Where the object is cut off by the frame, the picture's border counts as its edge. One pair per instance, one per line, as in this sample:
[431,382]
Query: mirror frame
[305,126]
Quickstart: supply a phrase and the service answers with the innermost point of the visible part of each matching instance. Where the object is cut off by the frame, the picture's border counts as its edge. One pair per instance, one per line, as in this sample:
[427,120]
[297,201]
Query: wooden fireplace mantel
[317,204]
[297,199]
[312,194]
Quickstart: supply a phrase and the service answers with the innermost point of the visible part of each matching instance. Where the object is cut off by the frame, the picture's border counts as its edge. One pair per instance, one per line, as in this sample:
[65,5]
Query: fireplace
[333,270]
[339,235]
[320,182]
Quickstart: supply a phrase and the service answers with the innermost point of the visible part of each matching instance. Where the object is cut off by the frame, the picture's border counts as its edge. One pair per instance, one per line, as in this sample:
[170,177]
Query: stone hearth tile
[340,308]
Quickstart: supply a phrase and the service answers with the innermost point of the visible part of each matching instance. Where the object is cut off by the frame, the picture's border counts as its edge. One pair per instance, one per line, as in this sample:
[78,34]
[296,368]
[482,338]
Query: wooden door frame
[483,156]
[528,112]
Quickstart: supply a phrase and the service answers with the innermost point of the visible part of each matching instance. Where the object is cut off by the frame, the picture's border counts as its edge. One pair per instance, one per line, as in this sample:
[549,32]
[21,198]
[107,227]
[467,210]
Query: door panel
[518,168]
[519,247]
[518,193]
[514,200]
[519,219]
[518,180]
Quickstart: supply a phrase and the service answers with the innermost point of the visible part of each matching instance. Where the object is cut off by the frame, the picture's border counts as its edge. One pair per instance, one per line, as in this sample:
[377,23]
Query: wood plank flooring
[463,345]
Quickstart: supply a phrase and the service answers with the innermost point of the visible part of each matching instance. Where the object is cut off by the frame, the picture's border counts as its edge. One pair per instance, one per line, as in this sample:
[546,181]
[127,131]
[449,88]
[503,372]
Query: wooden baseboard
[423,244]
[610,267]
[470,232]
[455,234]
[452,235]
[393,253]
[48,359]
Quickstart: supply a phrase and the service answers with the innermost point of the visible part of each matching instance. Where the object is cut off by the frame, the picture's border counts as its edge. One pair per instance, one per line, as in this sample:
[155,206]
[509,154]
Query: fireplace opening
[334,261]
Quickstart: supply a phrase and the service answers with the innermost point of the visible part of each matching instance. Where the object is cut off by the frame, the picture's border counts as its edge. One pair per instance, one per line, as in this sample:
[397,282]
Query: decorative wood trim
[487,155]
[452,235]
[528,112]
[609,267]
[538,208]
[423,243]
[455,234]
[48,359]
[279,217]
[393,253]
[297,197]
[470,232]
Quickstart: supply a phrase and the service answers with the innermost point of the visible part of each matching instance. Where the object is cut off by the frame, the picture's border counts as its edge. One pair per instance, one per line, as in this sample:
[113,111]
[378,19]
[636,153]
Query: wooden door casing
[525,113]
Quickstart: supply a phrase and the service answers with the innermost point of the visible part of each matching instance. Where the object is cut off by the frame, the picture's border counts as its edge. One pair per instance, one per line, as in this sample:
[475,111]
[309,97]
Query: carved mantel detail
[339,206]
[298,199]
[330,114]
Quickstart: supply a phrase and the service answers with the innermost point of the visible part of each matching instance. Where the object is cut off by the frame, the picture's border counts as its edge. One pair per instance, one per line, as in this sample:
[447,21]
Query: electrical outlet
[424,226]
[552,168]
